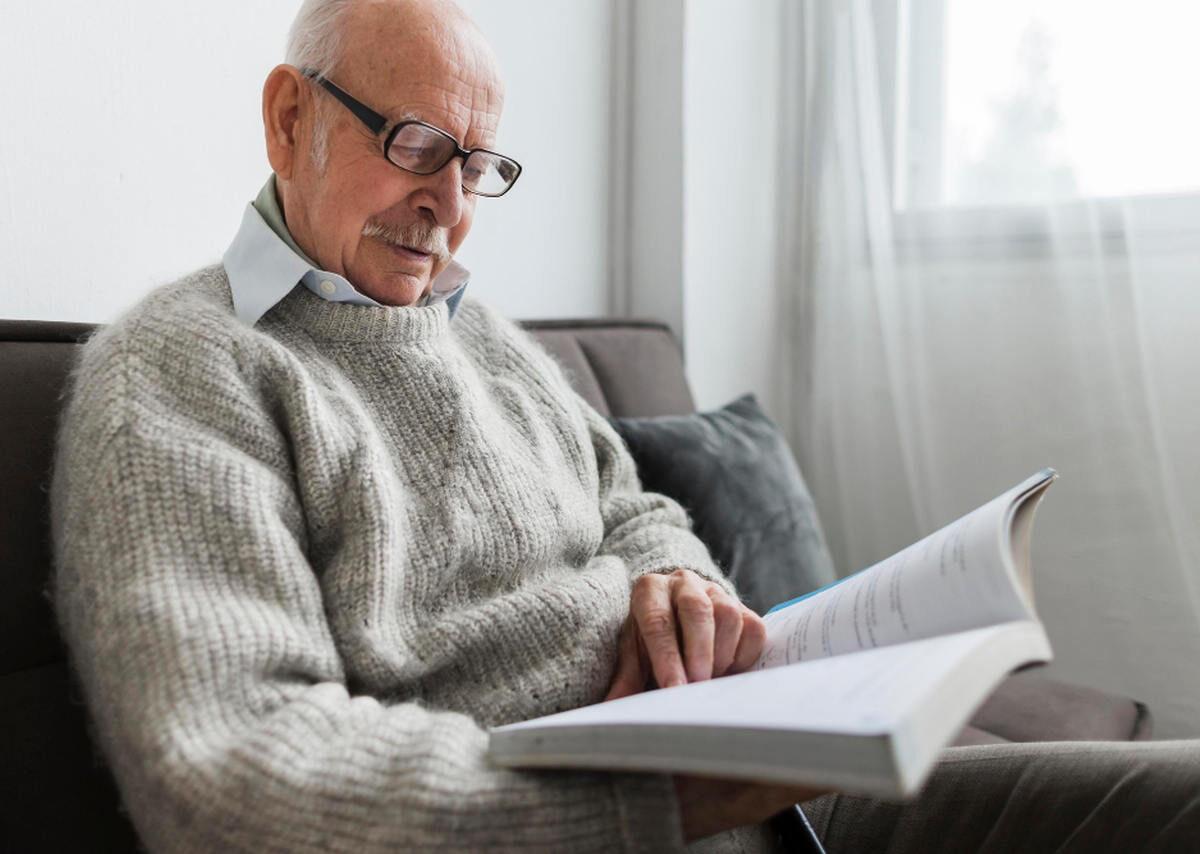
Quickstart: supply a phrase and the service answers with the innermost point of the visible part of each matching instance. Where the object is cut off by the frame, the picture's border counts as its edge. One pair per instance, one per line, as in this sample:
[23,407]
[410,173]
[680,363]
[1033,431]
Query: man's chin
[396,289]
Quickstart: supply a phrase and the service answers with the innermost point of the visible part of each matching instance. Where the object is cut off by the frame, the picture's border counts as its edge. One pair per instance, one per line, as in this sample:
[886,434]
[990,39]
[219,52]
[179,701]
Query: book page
[959,577]
[864,693]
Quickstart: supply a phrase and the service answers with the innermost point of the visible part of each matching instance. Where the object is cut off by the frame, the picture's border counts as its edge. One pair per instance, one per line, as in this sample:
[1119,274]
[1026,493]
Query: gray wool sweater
[303,565]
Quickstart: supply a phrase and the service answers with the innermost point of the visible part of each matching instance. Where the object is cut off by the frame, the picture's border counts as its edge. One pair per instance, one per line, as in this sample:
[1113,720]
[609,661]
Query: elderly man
[319,521]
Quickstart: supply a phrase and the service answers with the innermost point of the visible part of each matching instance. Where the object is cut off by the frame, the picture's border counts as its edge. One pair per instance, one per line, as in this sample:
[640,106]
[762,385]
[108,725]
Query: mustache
[418,235]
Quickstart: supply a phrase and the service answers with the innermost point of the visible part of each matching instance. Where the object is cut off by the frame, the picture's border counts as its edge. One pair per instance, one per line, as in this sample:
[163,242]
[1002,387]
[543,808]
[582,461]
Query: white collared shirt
[263,266]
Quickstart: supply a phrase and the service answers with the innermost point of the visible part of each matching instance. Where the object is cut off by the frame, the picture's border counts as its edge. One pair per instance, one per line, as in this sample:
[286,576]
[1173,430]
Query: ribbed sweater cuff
[671,558]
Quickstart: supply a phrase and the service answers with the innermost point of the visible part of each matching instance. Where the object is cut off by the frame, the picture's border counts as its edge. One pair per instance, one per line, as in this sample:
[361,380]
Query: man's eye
[419,157]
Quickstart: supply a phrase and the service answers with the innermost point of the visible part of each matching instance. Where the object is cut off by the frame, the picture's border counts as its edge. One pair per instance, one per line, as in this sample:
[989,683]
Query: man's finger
[727,617]
[694,610]
[632,672]
[750,645]
[651,608]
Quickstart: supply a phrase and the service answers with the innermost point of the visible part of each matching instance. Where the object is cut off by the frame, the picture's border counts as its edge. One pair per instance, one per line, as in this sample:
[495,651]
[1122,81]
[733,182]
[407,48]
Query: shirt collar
[264,263]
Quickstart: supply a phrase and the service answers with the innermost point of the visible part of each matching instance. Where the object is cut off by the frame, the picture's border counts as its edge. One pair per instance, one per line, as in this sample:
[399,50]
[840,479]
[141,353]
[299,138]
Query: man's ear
[283,95]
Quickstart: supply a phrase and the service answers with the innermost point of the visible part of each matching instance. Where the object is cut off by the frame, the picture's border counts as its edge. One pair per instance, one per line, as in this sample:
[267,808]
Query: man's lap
[1072,796]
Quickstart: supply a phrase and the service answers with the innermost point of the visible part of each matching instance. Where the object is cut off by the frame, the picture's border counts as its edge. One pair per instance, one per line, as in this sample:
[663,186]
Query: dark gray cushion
[737,478]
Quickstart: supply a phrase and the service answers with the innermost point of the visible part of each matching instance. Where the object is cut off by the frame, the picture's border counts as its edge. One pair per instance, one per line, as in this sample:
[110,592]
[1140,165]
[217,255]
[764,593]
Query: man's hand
[682,628]
[709,806]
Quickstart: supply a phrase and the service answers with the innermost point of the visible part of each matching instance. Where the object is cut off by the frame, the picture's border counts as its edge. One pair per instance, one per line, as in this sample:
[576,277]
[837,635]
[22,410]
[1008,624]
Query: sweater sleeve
[651,532]
[197,628]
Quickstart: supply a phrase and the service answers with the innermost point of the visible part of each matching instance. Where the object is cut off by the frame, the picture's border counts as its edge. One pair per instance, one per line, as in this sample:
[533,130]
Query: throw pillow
[736,476]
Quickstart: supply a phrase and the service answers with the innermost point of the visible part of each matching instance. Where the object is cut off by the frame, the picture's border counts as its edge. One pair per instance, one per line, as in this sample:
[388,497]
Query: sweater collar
[264,263]
[346,323]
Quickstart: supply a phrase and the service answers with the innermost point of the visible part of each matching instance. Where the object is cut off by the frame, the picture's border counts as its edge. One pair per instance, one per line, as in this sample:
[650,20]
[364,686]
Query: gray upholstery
[622,368]
[1029,703]
[56,796]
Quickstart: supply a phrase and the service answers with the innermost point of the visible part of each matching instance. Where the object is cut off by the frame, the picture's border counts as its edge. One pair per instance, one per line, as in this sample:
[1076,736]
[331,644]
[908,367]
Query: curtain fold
[936,357]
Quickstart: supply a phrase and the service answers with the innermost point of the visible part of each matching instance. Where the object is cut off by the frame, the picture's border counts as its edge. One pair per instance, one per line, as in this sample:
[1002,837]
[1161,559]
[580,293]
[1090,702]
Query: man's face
[390,232]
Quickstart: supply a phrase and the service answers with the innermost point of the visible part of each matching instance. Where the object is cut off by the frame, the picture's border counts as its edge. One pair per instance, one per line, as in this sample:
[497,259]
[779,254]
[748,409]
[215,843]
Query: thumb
[633,665]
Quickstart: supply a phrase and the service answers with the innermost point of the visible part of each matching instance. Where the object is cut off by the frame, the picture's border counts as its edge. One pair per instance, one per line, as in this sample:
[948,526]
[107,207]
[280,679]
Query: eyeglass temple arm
[365,114]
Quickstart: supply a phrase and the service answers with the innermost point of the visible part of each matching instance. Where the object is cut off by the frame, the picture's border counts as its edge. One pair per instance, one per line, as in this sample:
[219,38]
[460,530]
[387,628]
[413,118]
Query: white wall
[542,250]
[133,141]
[701,194]
[730,116]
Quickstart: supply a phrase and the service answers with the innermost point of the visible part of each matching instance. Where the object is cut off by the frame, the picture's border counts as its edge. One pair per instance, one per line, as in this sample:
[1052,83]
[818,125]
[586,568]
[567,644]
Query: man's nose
[442,194]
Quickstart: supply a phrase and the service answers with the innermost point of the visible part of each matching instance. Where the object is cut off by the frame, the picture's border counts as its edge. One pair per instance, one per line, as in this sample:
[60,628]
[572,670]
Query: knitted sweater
[302,565]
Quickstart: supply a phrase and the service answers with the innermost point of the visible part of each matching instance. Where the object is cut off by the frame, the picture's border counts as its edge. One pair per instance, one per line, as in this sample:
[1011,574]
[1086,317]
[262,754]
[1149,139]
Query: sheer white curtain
[940,351]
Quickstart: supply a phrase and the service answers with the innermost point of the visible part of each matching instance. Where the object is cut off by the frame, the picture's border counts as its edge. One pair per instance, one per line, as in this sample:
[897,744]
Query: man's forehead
[468,111]
[473,125]
[411,40]
[441,71]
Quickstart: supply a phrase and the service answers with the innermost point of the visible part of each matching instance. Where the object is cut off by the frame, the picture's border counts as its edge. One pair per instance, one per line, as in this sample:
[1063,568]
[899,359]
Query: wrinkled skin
[421,60]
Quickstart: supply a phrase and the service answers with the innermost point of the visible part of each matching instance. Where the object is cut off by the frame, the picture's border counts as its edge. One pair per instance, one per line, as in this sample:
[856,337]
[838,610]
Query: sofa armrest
[1031,707]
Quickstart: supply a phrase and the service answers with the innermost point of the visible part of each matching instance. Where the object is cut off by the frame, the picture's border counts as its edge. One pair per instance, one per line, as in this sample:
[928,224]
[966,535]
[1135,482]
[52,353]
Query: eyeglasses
[423,149]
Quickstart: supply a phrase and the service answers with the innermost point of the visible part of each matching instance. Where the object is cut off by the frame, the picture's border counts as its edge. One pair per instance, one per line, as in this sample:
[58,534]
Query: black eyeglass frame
[376,123]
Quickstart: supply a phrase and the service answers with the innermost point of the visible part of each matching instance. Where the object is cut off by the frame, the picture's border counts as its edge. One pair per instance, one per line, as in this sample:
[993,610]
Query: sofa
[55,793]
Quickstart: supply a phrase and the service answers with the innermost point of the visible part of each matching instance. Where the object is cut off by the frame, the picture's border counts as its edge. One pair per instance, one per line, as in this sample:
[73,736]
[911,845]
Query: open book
[860,684]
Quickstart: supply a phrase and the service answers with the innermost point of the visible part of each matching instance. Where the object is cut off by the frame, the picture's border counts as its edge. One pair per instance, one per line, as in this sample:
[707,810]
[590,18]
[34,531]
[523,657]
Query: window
[1031,101]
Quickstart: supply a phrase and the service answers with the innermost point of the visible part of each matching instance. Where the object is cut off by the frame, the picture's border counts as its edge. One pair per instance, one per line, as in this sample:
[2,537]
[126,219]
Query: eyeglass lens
[424,150]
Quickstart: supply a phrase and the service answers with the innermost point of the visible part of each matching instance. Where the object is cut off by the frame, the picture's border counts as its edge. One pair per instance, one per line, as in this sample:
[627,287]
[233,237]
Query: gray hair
[315,41]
